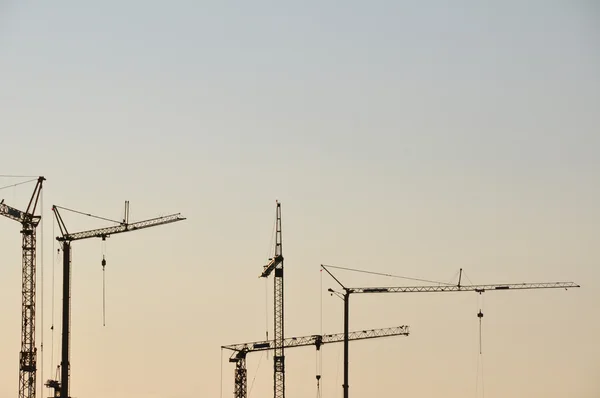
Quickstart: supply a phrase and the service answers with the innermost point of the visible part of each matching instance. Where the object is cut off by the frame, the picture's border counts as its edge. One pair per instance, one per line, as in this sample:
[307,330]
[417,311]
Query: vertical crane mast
[241,350]
[276,263]
[28,353]
[61,388]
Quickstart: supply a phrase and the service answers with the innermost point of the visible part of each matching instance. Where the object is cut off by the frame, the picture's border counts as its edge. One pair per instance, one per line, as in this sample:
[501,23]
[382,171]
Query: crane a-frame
[28,354]
[429,289]
[61,388]
[240,350]
[276,264]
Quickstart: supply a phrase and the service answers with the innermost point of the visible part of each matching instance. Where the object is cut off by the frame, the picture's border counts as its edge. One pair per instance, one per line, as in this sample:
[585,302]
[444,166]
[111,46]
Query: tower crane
[429,289]
[61,388]
[28,354]
[276,264]
[241,350]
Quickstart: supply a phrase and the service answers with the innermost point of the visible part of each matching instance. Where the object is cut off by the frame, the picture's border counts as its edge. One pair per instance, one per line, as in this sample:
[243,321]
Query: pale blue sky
[407,137]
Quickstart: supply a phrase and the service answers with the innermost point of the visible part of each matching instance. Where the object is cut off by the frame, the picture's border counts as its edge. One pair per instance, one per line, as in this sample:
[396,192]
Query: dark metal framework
[61,388]
[241,375]
[276,264]
[464,288]
[240,350]
[429,289]
[28,354]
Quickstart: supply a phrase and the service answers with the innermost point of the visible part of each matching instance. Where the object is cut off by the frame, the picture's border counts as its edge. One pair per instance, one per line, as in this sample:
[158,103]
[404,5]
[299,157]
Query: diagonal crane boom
[429,289]
[276,264]
[61,388]
[240,350]
[28,354]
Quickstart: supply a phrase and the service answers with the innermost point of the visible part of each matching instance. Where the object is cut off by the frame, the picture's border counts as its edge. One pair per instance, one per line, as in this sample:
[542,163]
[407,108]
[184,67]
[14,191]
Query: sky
[408,138]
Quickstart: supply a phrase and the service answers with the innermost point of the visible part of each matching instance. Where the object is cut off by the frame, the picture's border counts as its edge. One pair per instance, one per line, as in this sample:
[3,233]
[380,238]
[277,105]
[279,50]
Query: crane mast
[241,350]
[276,264]
[429,289]
[28,354]
[61,388]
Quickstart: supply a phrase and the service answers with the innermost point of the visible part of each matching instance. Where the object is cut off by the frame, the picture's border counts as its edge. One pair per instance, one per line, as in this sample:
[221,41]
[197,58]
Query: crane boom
[240,350]
[28,354]
[117,229]
[464,288]
[316,339]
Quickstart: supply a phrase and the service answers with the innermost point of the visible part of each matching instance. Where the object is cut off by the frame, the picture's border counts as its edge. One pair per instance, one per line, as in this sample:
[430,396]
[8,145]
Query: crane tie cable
[388,275]
[87,214]
[17,184]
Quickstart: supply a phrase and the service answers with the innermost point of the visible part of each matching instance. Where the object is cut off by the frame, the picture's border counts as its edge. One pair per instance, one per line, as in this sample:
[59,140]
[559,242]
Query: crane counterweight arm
[271,265]
[319,339]
[11,212]
[27,216]
[464,288]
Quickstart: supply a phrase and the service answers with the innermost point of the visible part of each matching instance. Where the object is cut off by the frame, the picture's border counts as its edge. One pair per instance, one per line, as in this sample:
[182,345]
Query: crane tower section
[276,264]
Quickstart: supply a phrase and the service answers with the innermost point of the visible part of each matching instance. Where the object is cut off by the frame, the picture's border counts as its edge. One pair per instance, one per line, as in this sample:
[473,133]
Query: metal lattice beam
[317,340]
[464,288]
[106,232]
[28,353]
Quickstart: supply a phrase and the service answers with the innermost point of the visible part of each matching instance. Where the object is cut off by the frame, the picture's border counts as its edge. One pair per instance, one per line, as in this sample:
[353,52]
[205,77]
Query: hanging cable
[318,372]
[337,372]
[272,240]
[103,281]
[267,257]
[221,385]
[319,355]
[480,355]
[256,372]
[267,313]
